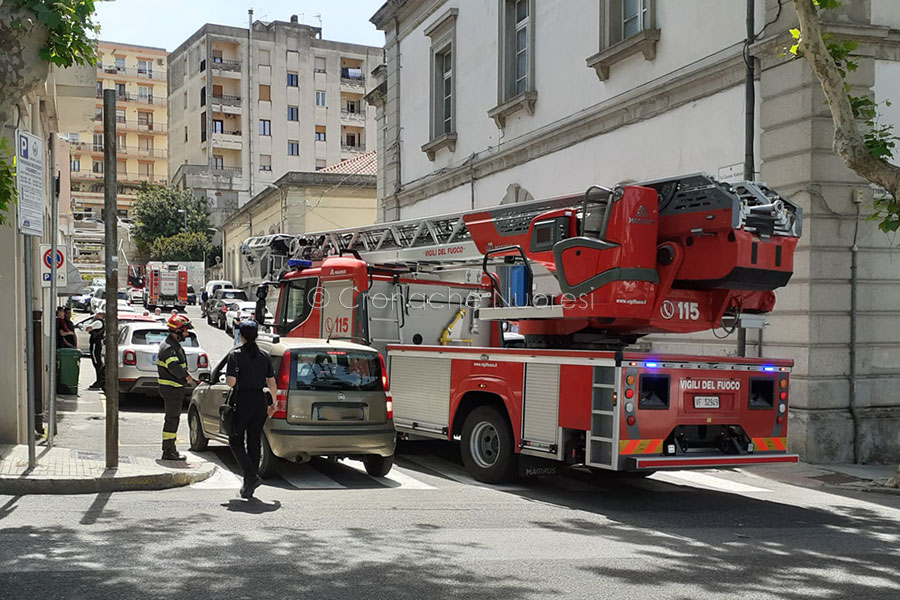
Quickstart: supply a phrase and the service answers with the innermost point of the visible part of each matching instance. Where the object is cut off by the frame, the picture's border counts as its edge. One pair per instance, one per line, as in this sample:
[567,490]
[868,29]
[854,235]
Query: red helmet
[177,322]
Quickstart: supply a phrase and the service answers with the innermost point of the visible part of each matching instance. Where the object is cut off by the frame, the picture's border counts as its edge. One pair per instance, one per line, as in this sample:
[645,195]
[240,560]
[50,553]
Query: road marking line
[454,472]
[400,480]
[305,477]
[707,481]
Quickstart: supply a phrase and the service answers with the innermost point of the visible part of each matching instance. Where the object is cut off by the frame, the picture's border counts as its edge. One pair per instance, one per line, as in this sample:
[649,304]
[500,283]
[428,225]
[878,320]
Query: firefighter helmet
[177,322]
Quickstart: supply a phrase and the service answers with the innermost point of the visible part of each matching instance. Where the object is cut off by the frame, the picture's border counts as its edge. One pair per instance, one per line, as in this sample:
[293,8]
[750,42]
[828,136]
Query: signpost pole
[110,219]
[30,218]
[54,250]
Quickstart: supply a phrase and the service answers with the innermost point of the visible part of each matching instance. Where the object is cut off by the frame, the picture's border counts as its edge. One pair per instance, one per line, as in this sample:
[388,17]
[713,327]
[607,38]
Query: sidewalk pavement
[67,471]
[866,478]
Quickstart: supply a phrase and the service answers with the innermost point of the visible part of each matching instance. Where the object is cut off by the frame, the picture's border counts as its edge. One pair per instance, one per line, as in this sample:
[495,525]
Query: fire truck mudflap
[605,410]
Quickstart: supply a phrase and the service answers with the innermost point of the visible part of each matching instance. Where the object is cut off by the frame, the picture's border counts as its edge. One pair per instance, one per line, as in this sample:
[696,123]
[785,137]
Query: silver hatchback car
[332,400]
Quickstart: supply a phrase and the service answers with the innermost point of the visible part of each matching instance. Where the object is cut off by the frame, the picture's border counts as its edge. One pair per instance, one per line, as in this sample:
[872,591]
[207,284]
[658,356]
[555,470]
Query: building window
[203,96]
[145,67]
[202,127]
[145,144]
[145,120]
[145,93]
[121,146]
[97,166]
[293,148]
[292,80]
[515,89]
[97,145]
[218,126]
[320,133]
[218,161]
[120,63]
[265,127]
[265,162]
[185,99]
[120,91]
[217,91]
[185,133]
[265,93]
[145,169]
[217,56]
[202,64]
[320,164]
[443,84]
[320,98]
[264,58]
[293,113]
[352,139]
[99,89]
[120,115]
[76,164]
[320,64]
[627,27]
[353,107]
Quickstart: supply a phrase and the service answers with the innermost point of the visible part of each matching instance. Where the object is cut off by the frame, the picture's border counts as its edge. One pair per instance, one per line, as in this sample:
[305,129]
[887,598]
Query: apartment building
[490,102]
[138,74]
[247,106]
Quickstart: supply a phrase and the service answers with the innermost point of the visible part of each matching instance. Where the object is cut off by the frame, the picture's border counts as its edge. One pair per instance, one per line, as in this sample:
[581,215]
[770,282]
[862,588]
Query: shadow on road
[253,506]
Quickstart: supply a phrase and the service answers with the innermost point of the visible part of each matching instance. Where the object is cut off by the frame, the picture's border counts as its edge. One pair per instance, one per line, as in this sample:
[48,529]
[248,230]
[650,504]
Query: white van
[211,287]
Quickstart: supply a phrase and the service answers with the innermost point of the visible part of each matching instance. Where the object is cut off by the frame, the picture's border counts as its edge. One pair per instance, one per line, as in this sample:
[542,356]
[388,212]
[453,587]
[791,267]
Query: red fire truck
[166,285]
[581,278]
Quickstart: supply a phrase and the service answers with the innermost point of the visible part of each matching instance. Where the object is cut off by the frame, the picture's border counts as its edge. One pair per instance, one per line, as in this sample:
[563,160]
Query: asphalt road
[328,530]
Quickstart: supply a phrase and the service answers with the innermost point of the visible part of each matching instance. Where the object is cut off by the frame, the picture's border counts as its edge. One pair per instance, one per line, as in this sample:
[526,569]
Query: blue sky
[167,23]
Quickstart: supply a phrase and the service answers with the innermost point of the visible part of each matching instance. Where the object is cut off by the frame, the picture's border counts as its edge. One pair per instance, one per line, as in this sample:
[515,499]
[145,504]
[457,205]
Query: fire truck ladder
[430,243]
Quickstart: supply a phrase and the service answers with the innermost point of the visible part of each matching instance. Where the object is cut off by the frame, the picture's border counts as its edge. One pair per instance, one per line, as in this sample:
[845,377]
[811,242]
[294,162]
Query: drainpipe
[250,128]
[749,124]
[854,413]
[397,155]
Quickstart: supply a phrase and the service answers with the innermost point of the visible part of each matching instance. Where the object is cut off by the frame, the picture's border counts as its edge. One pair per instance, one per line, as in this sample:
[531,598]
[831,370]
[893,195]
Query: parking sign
[30,183]
[61,266]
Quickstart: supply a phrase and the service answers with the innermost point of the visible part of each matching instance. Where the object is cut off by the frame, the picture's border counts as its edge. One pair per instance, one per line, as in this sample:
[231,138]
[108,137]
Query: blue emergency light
[651,365]
[299,263]
[768,369]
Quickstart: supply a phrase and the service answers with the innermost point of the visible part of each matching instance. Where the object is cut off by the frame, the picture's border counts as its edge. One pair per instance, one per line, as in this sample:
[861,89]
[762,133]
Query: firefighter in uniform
[173,379]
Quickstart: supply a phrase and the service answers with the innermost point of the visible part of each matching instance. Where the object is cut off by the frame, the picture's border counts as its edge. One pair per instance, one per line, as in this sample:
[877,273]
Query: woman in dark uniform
[248,371]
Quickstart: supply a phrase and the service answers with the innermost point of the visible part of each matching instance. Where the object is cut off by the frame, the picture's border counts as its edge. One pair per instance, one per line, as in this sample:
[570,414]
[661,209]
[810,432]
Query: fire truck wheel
[487,446]
[378,466]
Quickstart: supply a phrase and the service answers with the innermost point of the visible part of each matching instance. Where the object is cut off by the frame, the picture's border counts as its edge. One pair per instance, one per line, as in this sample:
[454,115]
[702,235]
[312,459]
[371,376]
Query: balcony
[353,77]
[352,149]
[230,69]
[353,116]
[136,98]
[225,104]
[231,140]
[129,125]
[139,73]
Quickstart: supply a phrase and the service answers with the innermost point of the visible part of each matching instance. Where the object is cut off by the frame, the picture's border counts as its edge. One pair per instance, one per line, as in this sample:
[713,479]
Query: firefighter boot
[169,452]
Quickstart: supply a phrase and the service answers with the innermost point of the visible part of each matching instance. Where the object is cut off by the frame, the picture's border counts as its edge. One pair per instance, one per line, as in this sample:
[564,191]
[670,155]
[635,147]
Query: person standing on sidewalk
[248,371]
[65,333]
[173,380]
[95,345]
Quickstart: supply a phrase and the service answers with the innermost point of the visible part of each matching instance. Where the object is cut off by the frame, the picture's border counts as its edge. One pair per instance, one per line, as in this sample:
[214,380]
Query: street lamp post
[184,212]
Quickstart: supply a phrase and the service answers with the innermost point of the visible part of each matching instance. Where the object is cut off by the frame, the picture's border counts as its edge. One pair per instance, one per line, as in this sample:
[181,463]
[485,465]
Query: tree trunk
[848,142]
[21,67]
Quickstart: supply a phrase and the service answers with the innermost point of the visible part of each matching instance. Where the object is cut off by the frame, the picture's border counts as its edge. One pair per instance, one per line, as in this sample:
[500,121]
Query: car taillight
[129,358]
[283,383]
[224,309]
[202,361]
[389,399]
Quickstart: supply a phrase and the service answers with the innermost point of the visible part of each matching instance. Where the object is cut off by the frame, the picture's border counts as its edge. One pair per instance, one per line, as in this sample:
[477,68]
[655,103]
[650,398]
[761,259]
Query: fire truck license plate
[706,402]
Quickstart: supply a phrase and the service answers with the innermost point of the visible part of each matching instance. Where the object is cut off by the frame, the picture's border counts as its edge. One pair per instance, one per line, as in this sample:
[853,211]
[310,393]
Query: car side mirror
[203,377]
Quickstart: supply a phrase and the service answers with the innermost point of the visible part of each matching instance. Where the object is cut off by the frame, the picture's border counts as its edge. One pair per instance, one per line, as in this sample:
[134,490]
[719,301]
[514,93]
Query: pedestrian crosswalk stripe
[306,477]
[394,479]
[706,481]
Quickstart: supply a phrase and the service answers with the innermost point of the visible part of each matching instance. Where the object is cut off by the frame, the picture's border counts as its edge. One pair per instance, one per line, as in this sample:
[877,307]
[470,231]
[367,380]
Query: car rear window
[336,370]
[152,337]
[234,295]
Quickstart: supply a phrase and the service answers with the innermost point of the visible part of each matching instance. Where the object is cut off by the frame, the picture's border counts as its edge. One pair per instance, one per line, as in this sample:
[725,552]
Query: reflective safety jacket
[171,364]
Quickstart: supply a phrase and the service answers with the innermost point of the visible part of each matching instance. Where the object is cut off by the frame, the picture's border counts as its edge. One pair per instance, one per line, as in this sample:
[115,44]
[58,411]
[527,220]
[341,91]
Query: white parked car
[135,295]
[242,311]
[124,306]
[138,347]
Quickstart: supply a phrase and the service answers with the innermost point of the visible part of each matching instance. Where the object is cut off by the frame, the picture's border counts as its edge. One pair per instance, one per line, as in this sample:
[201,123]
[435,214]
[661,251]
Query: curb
[873,487]
[157,481]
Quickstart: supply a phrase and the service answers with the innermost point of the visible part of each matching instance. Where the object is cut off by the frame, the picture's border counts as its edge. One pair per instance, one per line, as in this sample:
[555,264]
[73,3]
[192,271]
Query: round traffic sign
[59,259]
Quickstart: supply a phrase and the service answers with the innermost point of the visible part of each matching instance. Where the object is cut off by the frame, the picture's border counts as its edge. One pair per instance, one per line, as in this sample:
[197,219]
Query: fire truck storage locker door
[421,390]
[602,446]
[541,407]
[384,308]
[337,309]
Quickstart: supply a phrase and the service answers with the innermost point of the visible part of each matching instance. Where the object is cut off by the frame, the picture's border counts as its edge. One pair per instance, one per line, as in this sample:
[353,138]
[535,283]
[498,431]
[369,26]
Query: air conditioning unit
[159,61]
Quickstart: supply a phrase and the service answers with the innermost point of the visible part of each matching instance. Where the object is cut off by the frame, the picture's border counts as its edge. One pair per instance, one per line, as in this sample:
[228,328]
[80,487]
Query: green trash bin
[67,361]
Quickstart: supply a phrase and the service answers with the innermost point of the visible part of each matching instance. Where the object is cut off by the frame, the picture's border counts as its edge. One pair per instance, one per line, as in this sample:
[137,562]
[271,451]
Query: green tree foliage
[180,247]
[70,26]
[866,144]
[156,214]
[62,33]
